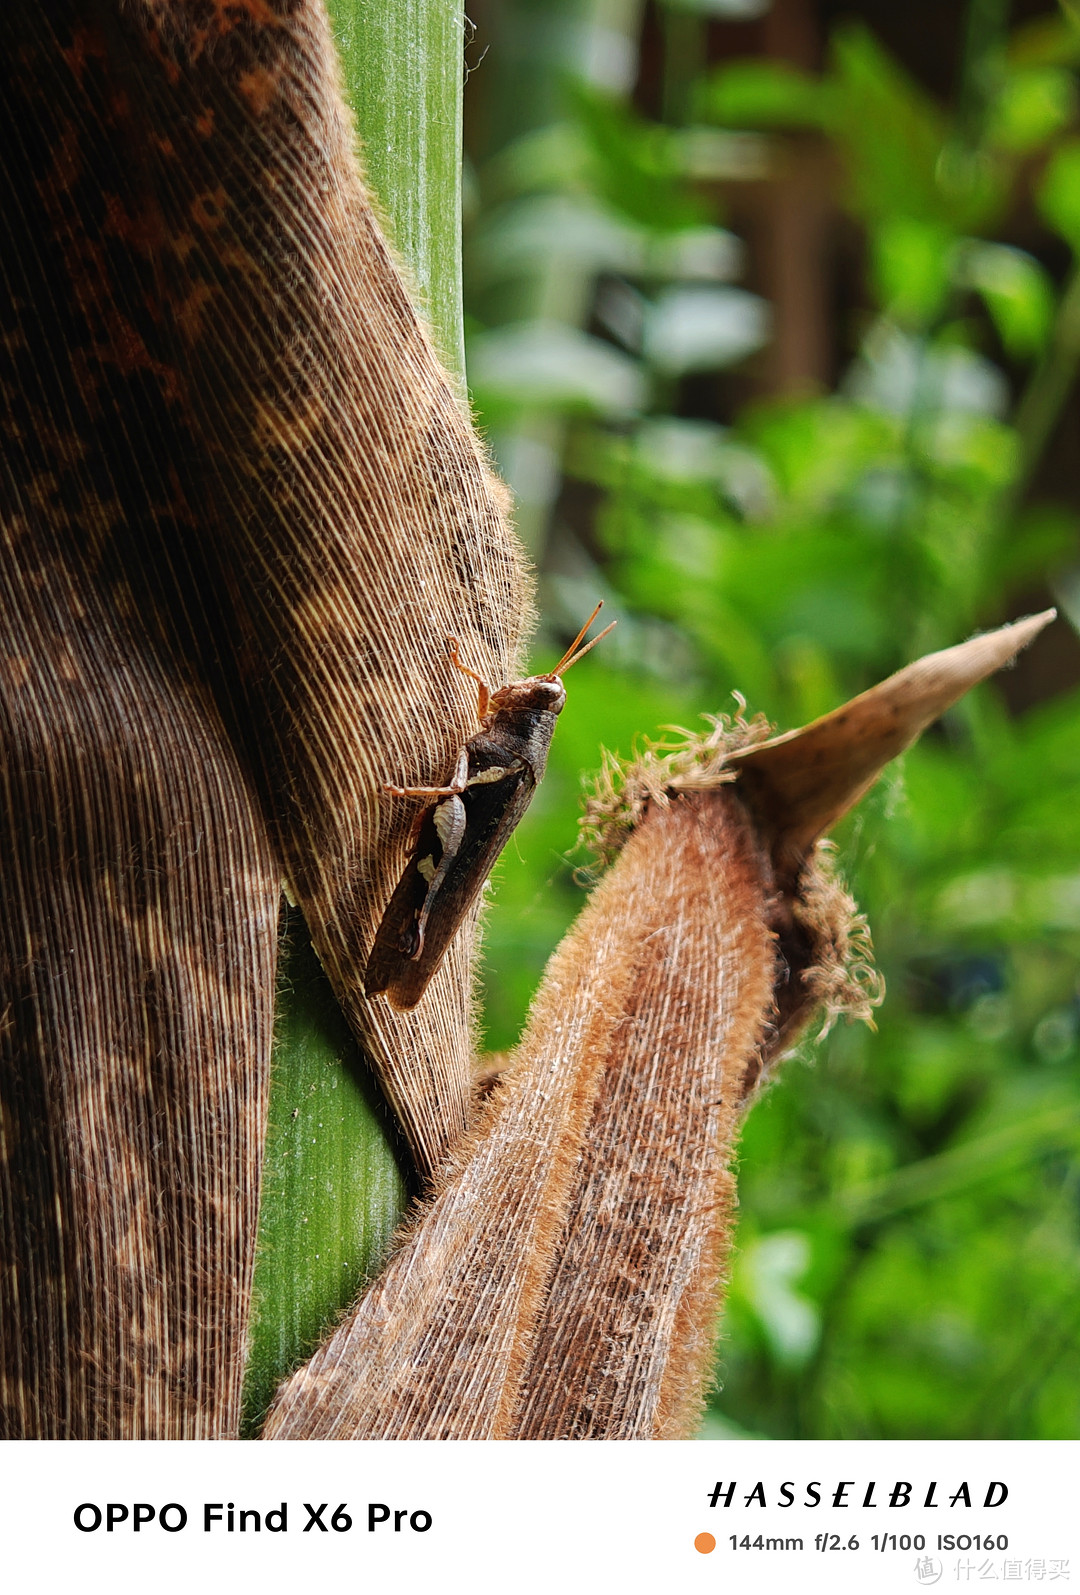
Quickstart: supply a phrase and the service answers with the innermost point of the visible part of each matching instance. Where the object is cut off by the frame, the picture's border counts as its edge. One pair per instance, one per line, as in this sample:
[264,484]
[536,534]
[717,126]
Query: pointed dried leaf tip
[801,783]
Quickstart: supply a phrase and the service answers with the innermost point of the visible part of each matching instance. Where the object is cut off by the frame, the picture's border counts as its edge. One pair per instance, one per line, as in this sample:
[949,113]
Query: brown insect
[458,837]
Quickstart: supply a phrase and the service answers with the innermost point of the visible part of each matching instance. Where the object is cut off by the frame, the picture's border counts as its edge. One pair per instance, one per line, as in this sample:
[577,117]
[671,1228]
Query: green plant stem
[985,43]
[333,1191]
[957,1170]
[1050,385]
[684,60]
[404,71]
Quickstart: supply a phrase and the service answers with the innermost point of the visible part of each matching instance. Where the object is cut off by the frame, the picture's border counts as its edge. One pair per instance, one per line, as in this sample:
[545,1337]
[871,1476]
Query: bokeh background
[773,319]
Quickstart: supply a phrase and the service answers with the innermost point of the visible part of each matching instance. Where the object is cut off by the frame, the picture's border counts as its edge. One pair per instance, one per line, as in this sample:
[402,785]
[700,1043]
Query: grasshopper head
[530,696]
[548,692]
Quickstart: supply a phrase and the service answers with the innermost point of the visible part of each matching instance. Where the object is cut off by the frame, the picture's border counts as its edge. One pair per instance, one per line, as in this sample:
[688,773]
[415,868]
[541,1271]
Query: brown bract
[241,510]
[529,1299]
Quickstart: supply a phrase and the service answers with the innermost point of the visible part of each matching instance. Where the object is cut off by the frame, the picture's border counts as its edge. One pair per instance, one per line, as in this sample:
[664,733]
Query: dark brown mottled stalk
[240,511]
[138,919]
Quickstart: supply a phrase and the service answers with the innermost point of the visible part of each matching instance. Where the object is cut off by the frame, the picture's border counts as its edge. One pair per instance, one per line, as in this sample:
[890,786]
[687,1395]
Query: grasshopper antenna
[571,657]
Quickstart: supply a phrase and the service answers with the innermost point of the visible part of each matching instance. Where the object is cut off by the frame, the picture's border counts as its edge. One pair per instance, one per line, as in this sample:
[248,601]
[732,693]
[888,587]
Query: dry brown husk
[241,509]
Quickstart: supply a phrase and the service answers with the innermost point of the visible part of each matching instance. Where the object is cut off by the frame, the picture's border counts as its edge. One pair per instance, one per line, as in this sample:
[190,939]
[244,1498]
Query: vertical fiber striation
[623,1345]
[607,1141]
[240,511]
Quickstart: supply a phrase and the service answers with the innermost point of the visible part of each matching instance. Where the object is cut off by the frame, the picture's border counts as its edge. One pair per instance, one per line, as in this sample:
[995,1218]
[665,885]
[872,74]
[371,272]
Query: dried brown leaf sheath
[240,510]
[564,1282]
[443,1344]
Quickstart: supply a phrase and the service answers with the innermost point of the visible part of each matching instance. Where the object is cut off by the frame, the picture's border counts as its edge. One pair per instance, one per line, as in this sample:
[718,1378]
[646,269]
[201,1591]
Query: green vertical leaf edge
[334,1176]
[404,75]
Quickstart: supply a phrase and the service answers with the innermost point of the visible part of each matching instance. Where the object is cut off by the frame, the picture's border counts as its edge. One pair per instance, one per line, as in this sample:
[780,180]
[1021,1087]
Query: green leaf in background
[704,329]
[1016,290]
[1058,195]
[1036,104]
[571,228]
[634,163]
[550,364]
[730,10]
[764,94]
[893,137]
[913,267]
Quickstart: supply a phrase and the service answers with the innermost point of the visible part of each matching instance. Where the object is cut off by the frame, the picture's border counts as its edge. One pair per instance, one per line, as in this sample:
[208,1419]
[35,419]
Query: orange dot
[705,1543]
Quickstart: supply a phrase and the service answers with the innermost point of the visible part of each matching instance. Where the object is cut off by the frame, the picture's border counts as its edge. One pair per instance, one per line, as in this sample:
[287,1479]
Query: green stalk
[986,38]
[333,1190]
[1044,398]
[333,1186]
[404,72]
[685,42]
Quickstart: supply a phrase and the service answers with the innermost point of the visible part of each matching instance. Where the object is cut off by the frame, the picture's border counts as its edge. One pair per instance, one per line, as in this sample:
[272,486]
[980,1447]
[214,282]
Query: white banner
[718,1515]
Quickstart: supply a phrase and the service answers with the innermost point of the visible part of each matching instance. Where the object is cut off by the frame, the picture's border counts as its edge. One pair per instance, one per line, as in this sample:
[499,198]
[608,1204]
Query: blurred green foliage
[908,1248]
